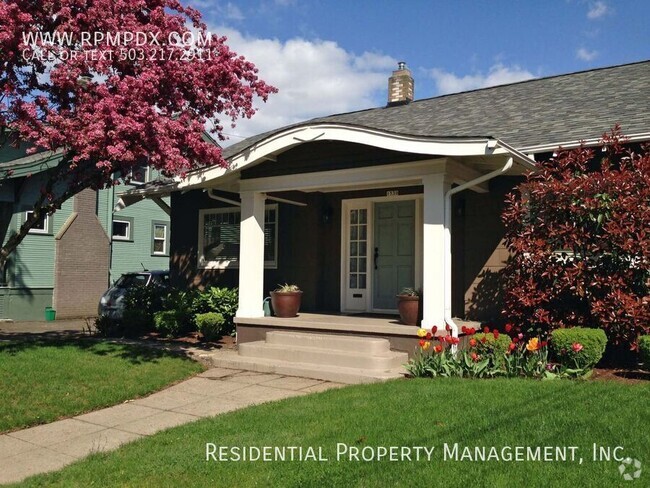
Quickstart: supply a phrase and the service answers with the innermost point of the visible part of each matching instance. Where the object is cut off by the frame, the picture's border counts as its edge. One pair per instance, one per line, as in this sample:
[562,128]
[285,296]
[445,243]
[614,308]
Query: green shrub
[209,324]
[218,300]
[106,326]
[565,346]
[498,347]
[644,350]
[136,322]
[169,322]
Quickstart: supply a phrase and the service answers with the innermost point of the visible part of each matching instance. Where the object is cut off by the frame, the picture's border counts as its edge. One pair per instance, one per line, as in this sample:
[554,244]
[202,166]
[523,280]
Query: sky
[334,56]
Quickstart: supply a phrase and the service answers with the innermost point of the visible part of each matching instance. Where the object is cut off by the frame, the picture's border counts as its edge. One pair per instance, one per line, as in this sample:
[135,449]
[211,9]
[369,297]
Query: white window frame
[154,239]
[129,228]
[145,176]
[202,263]
[46,224]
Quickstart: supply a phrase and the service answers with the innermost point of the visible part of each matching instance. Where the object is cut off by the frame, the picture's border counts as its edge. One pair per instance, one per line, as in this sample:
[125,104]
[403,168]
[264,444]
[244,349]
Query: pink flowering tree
[113,84]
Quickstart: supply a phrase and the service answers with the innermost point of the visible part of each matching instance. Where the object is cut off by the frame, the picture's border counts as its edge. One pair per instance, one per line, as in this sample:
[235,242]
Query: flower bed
[509,353]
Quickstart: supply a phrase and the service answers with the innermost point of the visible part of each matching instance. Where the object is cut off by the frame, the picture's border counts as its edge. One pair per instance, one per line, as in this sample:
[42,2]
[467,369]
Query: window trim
[165,225]
[146,175]
[202,263]
[47,223]
[126,220]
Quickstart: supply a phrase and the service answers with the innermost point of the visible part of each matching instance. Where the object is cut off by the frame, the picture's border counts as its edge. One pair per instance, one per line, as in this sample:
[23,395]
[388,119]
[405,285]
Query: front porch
[401,337]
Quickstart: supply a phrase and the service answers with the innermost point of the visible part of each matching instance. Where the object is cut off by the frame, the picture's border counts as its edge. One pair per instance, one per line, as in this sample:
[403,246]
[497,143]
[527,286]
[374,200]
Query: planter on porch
[285,301]
[408,305]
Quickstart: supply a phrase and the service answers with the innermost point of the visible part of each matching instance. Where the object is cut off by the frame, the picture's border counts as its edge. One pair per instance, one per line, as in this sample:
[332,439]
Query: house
[69,259]
[353,207]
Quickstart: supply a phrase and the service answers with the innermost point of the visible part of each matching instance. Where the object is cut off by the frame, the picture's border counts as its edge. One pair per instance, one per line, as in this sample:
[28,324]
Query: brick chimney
[400,86]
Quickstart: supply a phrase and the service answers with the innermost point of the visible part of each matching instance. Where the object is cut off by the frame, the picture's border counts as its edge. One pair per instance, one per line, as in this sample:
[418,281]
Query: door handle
[376,256]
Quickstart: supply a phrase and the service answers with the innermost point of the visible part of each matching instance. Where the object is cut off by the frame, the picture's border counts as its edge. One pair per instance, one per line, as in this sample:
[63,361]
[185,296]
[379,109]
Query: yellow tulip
[426,345]
[422,333]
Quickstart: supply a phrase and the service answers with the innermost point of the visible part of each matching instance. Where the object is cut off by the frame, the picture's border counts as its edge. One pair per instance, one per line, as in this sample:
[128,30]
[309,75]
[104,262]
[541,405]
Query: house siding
[132,255]
[480,243]
[78,269]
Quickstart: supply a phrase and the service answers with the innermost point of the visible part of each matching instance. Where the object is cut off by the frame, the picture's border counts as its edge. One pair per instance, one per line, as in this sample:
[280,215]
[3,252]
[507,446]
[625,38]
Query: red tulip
[483,340]
[422,342]
[474,356]
[495,333]
[577,347]
[429,335]
[508,328]
[512,346]
[472,342]
[463,329]
[438,348]
[486,329]
[434,329]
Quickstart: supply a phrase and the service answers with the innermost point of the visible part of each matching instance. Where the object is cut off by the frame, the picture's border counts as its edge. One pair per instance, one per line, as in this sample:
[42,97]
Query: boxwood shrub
[593,342]
[209,324]
[644,351]
[168,322]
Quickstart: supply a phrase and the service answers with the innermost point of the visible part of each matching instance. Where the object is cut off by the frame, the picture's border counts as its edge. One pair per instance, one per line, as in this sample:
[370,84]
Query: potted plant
[285,300]
[408,304]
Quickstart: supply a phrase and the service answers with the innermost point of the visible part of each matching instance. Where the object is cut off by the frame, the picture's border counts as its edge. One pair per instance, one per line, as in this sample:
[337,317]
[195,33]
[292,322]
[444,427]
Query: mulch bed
[630,376]
[194,339]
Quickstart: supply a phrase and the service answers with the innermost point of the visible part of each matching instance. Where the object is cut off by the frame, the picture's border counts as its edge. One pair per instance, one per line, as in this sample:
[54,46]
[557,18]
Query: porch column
[433,250]
[251,255]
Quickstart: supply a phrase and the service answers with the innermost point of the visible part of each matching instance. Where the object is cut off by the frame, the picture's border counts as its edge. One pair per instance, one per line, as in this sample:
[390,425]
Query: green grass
[43,381]
[400,413]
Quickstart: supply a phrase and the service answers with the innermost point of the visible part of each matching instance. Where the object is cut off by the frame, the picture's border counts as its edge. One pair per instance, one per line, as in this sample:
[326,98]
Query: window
[122,230]
[139,174]
[219,237]
[40,227]
[159,238]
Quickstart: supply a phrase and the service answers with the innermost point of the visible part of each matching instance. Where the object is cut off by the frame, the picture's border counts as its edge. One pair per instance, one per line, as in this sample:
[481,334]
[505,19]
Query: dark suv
[111,303]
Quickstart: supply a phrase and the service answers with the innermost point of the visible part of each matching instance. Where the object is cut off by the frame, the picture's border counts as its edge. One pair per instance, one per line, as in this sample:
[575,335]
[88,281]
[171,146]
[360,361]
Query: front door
[393,256]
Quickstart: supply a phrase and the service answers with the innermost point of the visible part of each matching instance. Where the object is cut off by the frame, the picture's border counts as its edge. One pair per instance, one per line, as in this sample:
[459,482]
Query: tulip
[474,356]
[533,344]
[438,348]
[472,342]
[422,332]
[434,329]
[495,333]
[512,346]
[508,328]
[577,347]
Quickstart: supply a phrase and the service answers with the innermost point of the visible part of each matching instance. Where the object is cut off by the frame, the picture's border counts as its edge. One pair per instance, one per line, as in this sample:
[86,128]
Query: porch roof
[480,154]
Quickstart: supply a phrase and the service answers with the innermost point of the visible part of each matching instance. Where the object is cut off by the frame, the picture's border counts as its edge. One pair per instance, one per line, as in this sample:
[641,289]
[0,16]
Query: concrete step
[337,374]
[367,345]
[383,361]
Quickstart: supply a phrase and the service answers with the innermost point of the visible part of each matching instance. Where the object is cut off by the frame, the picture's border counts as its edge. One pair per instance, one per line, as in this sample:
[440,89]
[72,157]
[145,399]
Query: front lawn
[43,381]
[500,413]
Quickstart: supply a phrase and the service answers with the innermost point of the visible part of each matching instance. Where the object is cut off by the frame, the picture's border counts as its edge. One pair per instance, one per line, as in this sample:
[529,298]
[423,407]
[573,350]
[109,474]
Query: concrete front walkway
[49,447]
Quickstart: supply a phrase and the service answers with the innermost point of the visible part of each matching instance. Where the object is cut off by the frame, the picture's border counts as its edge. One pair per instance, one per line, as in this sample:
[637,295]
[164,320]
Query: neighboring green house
[70,259]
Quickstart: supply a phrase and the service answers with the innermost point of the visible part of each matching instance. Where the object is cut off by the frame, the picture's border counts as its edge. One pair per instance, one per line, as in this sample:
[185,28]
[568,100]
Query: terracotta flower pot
[409,309]
[286,303]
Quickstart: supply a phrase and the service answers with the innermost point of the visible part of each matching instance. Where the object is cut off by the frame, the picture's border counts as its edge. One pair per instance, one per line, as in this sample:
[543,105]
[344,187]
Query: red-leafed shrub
[578,231]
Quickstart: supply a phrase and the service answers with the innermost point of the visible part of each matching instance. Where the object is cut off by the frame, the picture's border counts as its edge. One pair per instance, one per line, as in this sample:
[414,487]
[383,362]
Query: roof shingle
[549,110]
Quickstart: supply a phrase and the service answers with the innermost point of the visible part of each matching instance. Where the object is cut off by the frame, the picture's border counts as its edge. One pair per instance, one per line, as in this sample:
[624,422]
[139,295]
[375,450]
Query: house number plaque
[392,193]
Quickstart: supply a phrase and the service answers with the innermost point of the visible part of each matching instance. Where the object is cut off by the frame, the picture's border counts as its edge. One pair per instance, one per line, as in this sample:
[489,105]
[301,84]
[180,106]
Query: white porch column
[251,255]
[433,250]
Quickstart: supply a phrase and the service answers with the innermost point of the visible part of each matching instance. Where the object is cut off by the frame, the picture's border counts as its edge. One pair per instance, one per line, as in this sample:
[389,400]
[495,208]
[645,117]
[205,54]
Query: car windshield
[131,280]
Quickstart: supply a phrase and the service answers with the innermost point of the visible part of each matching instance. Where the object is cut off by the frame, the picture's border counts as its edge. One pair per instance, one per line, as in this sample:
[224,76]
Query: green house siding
[30,277]
[136,252]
